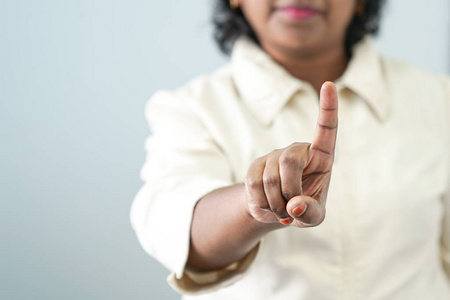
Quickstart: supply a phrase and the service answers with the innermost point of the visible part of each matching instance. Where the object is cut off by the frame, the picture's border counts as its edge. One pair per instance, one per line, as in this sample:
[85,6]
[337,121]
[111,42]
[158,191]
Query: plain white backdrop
[75,76]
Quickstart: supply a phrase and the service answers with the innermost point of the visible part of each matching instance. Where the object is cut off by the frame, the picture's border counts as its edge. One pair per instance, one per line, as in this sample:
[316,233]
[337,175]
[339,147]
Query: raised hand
[290,185]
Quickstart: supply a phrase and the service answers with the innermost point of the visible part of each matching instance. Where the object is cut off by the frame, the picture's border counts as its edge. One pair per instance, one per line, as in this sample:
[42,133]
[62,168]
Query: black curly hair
[229,24]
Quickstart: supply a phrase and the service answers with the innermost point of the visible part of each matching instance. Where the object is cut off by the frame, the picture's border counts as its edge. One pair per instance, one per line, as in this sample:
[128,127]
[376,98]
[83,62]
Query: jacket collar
[266,87]
[365,77]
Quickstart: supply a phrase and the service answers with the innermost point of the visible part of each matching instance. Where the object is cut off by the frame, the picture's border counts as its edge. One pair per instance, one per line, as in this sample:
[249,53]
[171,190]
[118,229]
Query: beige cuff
[445,256]
[194,282]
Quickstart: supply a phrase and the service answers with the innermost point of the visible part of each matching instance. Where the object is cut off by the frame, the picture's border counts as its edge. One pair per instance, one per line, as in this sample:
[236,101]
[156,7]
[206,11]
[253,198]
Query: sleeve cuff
[445,257]
[194,282]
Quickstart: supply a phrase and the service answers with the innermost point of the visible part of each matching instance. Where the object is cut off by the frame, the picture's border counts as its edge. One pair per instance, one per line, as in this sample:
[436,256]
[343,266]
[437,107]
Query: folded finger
[272,189]
[292,163]
[254,185]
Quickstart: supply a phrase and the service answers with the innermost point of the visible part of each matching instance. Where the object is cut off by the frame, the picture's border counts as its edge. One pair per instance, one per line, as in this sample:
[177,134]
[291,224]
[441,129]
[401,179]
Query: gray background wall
[75,76]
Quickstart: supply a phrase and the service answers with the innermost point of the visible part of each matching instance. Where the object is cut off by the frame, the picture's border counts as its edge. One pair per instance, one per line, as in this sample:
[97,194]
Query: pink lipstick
[298,12]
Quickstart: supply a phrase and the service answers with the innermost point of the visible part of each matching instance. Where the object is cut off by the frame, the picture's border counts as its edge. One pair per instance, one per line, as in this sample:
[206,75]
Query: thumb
[306,210]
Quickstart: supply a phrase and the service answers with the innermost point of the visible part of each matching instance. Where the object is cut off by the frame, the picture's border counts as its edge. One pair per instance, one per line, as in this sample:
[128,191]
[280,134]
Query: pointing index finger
[327,122]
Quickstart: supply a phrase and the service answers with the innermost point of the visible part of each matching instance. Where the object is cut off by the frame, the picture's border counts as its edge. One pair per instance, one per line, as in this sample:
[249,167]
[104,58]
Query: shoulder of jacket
[195,89]
[398,69]
[412,80]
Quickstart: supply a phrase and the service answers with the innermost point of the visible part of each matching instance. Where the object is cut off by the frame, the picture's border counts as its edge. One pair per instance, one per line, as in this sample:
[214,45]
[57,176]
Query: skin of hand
[290,185]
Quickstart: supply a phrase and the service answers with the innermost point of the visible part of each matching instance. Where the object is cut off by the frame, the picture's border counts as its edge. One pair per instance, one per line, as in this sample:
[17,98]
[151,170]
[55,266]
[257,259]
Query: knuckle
[271,181]
[294,156]
[297,145]
[253,182]
[279,211]
[288,158]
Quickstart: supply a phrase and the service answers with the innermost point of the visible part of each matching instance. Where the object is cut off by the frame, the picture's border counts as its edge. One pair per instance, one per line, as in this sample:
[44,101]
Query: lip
[298,12]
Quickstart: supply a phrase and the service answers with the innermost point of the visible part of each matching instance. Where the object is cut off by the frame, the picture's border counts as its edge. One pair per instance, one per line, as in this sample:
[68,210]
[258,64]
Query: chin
[301,44]
[294,37]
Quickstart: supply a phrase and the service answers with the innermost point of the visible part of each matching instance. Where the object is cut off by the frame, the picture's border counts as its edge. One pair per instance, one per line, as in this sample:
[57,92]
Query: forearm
[222,230]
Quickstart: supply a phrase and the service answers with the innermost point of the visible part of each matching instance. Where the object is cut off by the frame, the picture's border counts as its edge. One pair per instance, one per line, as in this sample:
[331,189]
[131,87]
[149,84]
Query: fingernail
[300,210]
[286,221]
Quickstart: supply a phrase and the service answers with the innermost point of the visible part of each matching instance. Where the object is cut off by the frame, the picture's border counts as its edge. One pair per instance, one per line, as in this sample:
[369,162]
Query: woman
[238,205]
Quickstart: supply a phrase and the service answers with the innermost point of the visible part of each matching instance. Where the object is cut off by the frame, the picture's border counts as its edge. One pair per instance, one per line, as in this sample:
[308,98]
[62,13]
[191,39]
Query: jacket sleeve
[183,164]
[445,239]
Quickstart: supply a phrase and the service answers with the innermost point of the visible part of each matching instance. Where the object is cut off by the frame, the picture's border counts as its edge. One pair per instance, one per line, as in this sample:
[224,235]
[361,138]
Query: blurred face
[304,27]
